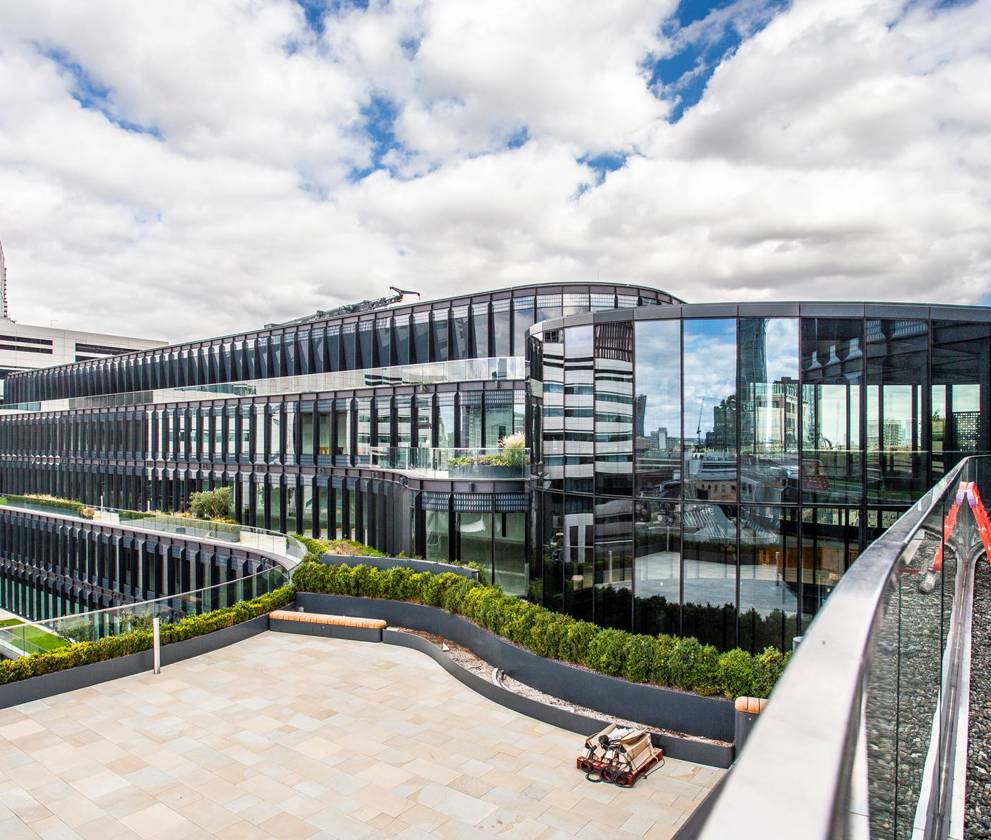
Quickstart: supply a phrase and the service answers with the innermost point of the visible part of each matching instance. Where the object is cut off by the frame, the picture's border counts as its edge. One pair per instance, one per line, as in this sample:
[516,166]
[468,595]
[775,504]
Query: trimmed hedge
[72,505]
[352,548]
[85,653]
[683,663]
[348,548]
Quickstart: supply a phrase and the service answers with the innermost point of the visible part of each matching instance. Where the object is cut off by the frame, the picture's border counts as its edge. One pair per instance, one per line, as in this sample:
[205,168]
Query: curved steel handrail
[793,777]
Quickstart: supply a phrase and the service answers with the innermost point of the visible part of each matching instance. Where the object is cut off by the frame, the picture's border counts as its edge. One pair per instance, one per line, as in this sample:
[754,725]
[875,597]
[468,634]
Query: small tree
[212,504]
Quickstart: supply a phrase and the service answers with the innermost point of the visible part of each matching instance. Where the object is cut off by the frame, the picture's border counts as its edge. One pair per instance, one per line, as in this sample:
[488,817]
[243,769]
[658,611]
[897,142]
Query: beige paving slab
[290,736]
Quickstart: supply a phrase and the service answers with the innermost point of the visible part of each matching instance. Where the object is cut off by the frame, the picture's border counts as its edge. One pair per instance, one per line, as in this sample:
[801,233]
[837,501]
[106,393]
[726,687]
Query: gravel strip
[978,818]
[468,660]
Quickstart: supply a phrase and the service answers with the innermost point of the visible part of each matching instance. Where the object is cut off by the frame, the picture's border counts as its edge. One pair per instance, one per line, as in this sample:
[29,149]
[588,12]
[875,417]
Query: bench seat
[322,624]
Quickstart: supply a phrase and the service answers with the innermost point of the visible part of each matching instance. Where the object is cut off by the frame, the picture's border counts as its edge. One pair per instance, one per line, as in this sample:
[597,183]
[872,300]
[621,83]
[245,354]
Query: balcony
[492,464]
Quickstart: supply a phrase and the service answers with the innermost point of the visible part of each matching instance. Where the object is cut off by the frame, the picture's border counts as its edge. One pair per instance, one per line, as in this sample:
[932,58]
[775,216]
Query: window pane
[459,332]
[475,539]
[658,408]
[424,420]
[961,367]
[768,577]
[658,567]
[832,373]
[510,553]
[498,416]
[366,357]
[471,419]
[522,321]
[614,408]
[614,563]
[445,421]
[306,444]
[440,334]
[769,409]
[897,362]
[578,552]
[830,544]
[710,409]
[579,410]
[421,336]
[709,574]
[404,407]
[502,328]
[402,340]
[383,342]
[480,330]
[437,537]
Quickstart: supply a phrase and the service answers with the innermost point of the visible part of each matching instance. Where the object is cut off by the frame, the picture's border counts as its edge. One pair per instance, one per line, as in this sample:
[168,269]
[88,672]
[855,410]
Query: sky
[177,169]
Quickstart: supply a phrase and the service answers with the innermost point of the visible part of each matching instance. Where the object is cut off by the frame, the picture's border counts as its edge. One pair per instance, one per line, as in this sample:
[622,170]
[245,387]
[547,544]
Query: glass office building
[713,470]
[692,468]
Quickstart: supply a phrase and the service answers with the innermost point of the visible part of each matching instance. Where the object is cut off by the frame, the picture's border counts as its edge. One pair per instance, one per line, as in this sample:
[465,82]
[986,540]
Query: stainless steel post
[156,644]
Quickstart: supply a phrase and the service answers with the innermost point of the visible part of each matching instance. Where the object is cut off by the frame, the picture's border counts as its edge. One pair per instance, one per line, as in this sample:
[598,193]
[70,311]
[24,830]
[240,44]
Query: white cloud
[841,152]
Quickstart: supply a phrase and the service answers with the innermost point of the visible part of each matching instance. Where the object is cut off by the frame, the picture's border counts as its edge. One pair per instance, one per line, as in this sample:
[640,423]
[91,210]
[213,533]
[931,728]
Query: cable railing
[865,734]
[48,635]
[460,370]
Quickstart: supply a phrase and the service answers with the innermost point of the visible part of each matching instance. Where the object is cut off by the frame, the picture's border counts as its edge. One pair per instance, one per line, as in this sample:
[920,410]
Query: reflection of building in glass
[700,469]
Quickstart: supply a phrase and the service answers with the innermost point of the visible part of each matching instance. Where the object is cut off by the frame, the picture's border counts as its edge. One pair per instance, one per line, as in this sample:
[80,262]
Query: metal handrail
[793,778]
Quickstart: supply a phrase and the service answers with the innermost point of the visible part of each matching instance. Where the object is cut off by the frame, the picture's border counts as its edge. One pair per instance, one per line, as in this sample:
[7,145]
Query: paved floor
[291,736]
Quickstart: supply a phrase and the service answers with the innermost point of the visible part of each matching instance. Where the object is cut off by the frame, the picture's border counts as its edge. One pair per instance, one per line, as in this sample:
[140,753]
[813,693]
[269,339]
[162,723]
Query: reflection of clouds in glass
[710,369]
[658,374]
[781,348]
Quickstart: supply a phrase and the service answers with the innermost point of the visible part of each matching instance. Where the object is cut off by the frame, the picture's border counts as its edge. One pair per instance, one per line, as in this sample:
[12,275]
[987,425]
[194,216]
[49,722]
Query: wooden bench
[321,624]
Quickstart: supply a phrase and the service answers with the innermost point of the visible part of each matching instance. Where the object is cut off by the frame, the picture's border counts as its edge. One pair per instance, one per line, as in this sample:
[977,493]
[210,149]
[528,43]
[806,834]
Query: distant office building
[24,347]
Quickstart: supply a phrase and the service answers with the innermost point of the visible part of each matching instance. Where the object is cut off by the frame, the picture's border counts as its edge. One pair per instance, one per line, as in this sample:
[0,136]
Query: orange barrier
[967,490]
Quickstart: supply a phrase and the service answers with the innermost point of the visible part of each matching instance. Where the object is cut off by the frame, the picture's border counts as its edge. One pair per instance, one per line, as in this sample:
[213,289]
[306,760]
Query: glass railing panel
[488,464]
[230,532]
[40,636]
[463,370]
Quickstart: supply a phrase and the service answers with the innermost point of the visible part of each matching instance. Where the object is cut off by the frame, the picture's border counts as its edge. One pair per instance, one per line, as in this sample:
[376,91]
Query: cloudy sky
[178,169]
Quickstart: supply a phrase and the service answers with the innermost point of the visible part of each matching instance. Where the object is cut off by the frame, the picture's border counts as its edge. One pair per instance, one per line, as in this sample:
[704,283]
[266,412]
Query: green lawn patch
[10,622]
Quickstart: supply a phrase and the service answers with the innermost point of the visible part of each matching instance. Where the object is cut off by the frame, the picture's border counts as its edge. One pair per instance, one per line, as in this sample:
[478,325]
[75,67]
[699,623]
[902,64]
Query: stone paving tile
[286,736]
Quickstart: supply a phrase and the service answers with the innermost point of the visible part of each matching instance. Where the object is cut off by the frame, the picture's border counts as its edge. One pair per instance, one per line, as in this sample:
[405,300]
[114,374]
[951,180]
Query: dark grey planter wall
[700,752]
[83,676]
[708,717]
[385,563]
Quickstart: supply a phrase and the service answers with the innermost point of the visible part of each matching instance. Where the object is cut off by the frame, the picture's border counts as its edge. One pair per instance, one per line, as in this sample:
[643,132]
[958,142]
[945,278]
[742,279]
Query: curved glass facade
[713,470]
[699,469]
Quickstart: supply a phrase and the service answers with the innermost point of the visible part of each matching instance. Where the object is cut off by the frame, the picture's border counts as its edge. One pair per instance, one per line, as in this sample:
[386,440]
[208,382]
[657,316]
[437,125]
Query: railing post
[156,644]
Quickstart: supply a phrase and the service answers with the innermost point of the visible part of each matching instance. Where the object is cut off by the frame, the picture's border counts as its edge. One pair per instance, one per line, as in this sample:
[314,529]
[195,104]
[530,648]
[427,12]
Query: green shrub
[74,506]
[768,667]
[640,657]
[736,673]
[85,653]
[212,504]
[577,637]
[661,660]
[607,652]
[693,666]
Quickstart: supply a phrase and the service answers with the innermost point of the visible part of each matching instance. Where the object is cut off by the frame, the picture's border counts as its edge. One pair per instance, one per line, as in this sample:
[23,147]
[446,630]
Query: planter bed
[654,706]
[469,669]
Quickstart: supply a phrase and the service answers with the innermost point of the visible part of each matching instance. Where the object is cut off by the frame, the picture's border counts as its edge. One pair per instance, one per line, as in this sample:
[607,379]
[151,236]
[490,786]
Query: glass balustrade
[479,464]
[42,636]
[230,532]
[463,370]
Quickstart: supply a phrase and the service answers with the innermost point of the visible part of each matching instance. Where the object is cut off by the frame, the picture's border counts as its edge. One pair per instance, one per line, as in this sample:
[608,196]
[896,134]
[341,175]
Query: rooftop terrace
[293,736]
